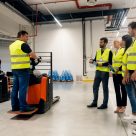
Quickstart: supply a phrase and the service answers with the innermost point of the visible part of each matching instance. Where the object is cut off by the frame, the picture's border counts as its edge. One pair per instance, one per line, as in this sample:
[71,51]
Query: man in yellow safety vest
[20,53]
[130,73]
[103,59]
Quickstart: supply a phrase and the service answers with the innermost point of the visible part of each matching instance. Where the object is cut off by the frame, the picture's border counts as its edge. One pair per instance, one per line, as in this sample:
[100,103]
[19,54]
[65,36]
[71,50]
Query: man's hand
[133,76]
[39,59]
[126,80]
[33,55]
[91,61]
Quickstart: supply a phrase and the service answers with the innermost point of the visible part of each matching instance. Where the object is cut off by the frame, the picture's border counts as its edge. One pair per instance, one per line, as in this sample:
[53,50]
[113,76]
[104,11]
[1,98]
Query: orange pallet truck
[40,95]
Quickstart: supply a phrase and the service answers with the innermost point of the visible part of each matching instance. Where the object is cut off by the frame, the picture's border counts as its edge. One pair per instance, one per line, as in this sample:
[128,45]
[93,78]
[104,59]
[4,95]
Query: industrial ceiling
[114,11]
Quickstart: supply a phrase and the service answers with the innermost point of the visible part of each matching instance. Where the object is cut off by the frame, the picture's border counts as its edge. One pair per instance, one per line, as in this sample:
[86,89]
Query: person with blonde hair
[121,95]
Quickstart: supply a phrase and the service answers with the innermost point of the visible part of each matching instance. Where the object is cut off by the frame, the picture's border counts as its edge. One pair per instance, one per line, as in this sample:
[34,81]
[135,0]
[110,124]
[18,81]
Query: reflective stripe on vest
[131,60]
[117,60]
[102,58]
[132,54]
[18,56]
[124,63]
[23,62]
[19,59]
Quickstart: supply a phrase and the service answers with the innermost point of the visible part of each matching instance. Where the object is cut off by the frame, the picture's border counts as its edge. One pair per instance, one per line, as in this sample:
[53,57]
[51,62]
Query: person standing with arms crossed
[103,59]
[20,53]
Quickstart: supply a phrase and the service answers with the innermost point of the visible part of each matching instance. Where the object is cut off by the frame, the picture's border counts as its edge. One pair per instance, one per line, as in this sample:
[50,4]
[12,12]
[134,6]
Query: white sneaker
[134,132]
[130,118]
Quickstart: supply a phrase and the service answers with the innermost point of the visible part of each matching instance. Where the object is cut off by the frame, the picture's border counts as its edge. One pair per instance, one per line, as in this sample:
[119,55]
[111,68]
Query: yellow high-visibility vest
[102,58]
[124,63]
[131,59]
[19,59]
[117,59]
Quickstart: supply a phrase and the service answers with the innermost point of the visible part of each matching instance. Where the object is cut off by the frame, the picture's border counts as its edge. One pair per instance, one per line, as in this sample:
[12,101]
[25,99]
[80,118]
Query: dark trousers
[104,78]
[121,94]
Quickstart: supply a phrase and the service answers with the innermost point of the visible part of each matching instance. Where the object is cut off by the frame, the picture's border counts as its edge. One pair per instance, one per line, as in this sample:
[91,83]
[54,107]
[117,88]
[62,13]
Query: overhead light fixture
[124,20]
[57,21]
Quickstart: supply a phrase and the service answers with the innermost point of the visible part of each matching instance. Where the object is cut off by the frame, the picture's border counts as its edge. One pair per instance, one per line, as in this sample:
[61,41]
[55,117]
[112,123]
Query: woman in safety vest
[121,95]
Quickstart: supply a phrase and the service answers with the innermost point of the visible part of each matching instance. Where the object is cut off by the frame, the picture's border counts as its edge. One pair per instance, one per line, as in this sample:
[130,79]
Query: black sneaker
[28,109]
[15,109]
[92,105]
[133,123]
[102,107]
[134,132]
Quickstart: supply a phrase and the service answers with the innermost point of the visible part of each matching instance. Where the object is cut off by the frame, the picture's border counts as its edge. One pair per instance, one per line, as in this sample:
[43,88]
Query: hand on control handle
[39,59]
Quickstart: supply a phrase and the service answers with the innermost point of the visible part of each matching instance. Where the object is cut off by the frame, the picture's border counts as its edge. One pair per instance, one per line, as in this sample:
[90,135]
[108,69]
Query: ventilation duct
[6,37]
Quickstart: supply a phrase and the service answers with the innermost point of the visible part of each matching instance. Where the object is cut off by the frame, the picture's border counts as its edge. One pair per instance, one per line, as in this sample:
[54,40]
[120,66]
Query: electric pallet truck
[4,88]
[40,91]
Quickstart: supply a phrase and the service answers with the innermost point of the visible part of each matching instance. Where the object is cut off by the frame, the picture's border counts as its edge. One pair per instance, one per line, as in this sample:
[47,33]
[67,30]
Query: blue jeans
[132,97]
[134,85]
[20,86]
[104,78]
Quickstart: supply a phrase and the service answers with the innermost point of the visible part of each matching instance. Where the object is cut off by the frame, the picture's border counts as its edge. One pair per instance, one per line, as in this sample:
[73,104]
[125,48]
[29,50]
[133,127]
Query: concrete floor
[69,117]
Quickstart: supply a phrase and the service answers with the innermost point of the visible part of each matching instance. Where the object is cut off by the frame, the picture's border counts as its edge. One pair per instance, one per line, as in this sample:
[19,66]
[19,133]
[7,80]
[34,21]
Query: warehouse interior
[70,30]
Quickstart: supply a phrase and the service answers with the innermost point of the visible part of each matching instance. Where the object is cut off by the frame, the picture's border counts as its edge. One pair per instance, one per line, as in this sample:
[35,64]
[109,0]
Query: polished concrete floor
[68,117]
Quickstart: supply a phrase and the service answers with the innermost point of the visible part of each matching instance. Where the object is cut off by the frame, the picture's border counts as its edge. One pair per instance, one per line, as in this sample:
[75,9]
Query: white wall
[4,55]
[98,31]
[66,43]
[94,31]
[10,24]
